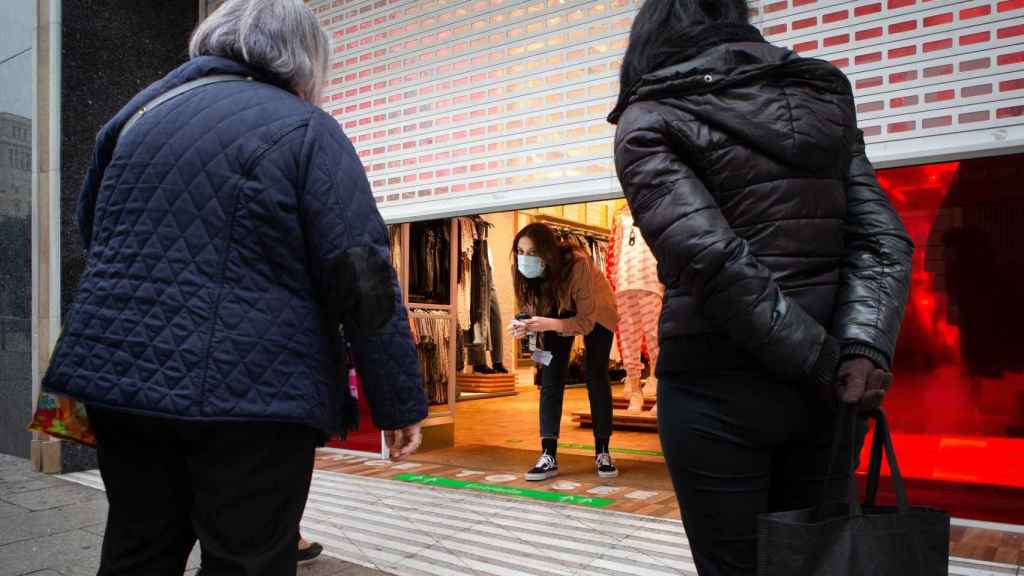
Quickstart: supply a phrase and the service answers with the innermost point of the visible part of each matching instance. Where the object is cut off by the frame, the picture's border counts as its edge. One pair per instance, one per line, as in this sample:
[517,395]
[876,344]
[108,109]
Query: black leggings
[598,346]
[738,445]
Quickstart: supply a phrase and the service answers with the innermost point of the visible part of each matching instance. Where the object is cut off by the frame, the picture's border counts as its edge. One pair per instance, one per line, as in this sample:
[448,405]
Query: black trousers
[738,445]
[238,487]
[598,346]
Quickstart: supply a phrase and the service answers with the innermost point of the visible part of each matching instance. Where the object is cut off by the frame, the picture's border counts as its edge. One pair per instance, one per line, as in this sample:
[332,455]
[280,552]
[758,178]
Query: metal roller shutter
[480,105]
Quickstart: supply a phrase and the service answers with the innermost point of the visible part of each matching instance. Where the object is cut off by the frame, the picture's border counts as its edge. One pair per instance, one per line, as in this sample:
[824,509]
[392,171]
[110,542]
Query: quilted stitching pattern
[206,229]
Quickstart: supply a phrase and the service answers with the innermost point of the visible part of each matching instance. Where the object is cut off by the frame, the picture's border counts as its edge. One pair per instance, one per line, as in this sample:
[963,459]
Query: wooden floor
[987,545]
[513,422]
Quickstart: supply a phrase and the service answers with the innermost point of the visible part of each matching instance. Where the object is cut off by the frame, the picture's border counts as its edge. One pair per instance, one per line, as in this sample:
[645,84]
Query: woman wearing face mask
[565,295]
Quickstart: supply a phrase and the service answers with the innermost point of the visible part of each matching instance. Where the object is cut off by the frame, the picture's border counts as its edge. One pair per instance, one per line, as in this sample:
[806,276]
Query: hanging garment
[429,263]
[480,304]
[467,237]
[432,334]
[477,351]
[635,265]
[479,338]
[638,323]
[395,240]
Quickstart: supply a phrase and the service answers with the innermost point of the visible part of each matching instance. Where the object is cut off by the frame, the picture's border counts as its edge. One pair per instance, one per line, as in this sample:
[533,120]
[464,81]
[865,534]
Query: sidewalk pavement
[50,527]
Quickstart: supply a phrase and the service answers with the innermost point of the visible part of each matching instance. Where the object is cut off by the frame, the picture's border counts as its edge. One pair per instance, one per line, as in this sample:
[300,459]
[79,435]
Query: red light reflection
[957,403]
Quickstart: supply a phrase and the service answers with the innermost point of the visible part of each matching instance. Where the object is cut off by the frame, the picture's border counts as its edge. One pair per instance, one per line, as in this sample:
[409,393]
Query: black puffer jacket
[746,173]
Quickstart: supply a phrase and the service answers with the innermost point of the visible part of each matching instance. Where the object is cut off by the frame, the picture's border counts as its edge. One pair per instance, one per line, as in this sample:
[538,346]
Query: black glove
[878,384]
[862,382]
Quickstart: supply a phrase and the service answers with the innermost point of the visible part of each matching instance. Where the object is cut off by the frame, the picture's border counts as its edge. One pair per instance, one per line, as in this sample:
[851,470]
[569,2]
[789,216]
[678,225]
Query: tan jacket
[589,294]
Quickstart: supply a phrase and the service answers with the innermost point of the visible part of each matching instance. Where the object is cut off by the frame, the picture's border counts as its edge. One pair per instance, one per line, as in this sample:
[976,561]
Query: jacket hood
[790,108]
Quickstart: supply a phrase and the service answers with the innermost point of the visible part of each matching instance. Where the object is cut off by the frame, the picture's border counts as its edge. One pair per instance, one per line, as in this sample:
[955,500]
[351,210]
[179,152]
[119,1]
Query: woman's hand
[861,382]
[518,329]
[541,324]
[403,442]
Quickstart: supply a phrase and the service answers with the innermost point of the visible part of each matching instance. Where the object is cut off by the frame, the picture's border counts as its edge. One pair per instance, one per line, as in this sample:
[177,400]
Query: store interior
[493,401]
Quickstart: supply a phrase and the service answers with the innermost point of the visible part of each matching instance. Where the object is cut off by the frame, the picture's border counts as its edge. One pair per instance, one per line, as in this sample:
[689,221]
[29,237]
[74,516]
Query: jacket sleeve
[876,267]
[581,290]
[696,248]
[350,264]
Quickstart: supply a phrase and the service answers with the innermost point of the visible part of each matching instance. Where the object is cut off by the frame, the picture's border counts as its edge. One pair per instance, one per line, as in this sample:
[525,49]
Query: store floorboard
[512,422]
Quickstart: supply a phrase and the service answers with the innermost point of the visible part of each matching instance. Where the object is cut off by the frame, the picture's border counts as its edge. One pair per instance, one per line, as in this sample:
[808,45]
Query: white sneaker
[605,467]
[545,468]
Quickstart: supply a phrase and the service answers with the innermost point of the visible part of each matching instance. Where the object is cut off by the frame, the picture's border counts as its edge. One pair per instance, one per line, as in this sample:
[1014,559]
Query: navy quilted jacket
[229,233]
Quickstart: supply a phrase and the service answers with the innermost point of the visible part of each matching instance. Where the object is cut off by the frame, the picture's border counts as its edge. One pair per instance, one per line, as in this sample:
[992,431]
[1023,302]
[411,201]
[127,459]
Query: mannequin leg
[651,313]
[631,337]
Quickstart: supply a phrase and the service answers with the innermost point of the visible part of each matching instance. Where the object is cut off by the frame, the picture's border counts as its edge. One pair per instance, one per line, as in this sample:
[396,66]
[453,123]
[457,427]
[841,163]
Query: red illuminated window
[957,403]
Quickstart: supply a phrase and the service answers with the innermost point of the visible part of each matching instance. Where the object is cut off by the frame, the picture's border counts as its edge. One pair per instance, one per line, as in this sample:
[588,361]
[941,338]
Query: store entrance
[496,389]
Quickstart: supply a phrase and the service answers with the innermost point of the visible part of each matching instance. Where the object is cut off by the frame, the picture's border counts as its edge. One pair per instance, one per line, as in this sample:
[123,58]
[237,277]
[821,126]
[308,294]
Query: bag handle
[846,421]
[175,92]
[883,439]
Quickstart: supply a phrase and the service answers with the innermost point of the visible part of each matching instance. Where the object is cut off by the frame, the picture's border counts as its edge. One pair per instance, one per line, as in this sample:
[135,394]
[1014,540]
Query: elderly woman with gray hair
[235,253]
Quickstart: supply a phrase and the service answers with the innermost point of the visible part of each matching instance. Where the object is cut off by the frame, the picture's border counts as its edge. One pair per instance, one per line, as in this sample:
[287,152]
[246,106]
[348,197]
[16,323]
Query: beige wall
[500,242]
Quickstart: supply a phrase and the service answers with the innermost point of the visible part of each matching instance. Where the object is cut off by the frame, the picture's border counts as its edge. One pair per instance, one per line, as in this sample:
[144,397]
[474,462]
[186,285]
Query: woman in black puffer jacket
[786,268]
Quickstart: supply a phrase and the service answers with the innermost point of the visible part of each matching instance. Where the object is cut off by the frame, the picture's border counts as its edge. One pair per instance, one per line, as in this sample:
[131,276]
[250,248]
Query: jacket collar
[679,49]
[725,66]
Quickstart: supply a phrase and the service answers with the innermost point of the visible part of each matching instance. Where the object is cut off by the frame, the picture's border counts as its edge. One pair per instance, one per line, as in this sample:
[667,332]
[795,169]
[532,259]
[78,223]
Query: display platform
[479,386]
[621,420]
[621,402]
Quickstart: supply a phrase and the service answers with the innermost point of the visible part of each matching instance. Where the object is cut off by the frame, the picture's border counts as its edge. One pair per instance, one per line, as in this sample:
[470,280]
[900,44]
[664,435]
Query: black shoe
[482,369]
[310,553]
[500,369]
[545,468]
[605,467]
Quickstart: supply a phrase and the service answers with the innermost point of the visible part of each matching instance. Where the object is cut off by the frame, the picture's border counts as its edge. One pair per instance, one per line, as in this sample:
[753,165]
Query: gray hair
[282,37]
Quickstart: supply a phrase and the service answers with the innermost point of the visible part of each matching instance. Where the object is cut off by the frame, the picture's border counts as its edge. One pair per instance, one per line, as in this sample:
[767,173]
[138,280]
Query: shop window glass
[957,402]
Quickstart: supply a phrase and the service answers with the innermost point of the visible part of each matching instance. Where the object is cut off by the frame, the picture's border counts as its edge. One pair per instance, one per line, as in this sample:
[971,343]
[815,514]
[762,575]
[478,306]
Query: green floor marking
[545,495]
[631,451]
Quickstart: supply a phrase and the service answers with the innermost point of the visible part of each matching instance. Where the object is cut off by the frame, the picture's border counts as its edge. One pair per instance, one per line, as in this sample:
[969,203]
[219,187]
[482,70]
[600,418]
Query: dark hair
[664,30]
[541,293]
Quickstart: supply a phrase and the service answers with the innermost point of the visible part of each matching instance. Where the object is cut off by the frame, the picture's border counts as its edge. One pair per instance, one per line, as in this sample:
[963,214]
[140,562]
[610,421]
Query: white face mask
[530,266]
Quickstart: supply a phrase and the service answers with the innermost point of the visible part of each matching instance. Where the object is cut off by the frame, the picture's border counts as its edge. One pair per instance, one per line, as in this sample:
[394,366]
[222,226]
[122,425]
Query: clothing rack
[429,274]
[566,224]
[432,335]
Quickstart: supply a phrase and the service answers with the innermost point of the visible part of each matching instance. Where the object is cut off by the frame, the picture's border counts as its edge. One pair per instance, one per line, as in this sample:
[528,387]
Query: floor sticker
[641,495]
[545,495]
[500,478]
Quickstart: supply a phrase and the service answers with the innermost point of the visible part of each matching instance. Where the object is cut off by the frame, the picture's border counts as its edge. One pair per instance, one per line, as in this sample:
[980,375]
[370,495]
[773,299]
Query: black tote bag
[850,539]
